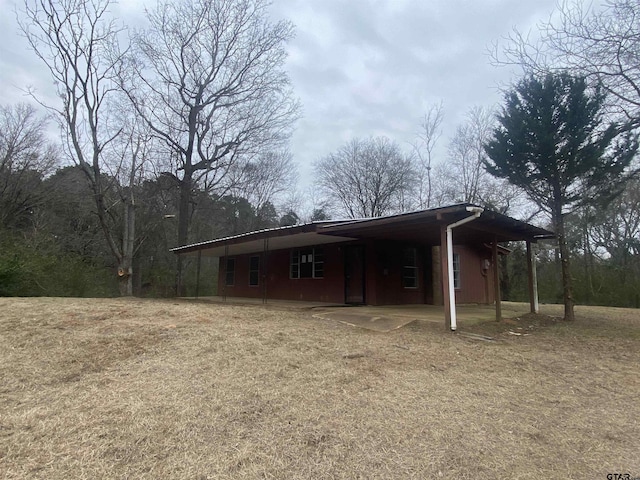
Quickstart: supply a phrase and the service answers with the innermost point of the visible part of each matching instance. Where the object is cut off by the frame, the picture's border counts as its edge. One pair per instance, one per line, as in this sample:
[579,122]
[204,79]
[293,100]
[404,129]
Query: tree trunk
[183,226]
[429,184]
[567,287]
[125,267]
[129,242]
[588,261]
[125,283]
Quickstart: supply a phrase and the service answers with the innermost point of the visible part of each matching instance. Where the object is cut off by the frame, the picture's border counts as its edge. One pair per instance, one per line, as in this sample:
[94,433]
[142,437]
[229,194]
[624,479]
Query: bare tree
[466,153]
[427,138]
[463,178]
[78,42]
[25,158]
[208,79]
[602,44]
[131,154]
[264,180]
[616,229]
[366,178]
[311,204]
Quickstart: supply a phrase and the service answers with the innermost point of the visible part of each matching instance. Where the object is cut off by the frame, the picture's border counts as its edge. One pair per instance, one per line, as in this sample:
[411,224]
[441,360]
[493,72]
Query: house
[440,256]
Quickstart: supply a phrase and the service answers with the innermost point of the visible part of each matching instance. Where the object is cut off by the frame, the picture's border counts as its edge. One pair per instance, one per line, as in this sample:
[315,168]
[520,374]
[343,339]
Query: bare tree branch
[601,44]
[208,80]
[78,42]
[366,178]
[427,138]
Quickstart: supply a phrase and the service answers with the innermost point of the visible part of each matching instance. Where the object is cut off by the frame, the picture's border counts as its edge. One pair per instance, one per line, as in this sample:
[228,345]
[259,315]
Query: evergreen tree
[552,140]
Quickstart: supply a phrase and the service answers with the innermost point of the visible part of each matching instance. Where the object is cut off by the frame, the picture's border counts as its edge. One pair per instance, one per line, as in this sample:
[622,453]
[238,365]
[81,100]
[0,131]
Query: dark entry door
[354,274]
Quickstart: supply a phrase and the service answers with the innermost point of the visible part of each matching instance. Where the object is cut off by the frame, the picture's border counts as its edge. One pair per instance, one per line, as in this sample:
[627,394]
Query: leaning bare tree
[366,178]
[208,79]
[601,44]
[78,42]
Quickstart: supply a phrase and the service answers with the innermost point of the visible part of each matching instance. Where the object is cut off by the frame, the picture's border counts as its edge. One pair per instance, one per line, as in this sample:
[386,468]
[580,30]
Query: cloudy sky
[359,67]
[373,67]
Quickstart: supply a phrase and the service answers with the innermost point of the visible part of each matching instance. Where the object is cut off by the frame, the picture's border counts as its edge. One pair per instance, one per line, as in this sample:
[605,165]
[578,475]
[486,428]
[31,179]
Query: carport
[461,224]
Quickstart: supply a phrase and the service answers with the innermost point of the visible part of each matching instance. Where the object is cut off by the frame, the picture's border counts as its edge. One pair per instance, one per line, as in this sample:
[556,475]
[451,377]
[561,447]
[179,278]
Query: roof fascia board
[437,214]
[249,236]
[508,235]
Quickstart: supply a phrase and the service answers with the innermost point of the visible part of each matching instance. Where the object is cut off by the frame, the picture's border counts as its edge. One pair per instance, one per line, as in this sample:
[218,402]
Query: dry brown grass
[162,389]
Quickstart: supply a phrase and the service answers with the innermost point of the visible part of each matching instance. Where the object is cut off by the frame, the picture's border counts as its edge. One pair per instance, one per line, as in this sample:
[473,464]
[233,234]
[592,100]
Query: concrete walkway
[391,317]
[381,318]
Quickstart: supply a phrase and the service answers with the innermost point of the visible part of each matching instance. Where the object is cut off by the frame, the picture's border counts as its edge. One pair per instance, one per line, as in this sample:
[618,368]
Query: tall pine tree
[553,141]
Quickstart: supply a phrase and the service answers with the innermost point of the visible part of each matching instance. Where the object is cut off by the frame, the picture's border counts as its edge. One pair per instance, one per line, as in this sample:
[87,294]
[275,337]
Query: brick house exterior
[399,259]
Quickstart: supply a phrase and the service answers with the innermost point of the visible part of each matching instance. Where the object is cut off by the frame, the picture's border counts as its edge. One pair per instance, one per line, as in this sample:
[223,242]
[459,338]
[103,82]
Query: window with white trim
[307,263]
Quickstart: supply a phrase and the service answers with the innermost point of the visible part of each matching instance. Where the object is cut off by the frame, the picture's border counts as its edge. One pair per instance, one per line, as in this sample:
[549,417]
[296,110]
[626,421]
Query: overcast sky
[373,67]
[359,67]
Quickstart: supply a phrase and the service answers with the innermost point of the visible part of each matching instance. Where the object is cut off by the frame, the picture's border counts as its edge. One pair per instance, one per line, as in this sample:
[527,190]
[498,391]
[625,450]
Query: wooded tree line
[180,135]
[52,240]
[197,103]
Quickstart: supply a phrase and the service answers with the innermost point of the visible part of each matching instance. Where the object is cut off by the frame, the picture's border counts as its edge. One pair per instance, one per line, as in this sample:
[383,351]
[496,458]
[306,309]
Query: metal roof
[423,226]
[275,238]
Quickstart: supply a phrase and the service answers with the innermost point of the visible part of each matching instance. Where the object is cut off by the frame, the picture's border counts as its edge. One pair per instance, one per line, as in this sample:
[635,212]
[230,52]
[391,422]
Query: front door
[354,274]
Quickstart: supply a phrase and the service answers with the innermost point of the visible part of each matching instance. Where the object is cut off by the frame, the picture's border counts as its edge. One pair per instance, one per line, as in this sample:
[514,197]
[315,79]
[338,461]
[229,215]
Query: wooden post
[436,275]
[224,277]
[444,268]
[265,255]
[533,280]
[496,278]
[198,273]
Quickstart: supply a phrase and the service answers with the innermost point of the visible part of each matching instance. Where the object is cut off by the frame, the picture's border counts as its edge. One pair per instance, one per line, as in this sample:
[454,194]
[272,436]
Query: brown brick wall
[383,276]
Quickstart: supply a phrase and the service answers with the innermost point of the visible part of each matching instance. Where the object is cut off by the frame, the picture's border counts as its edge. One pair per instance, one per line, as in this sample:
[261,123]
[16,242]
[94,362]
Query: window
[456,271]
[409,268]
[254,271]
[230,272]
[307,263]
[294,270]
[318,263]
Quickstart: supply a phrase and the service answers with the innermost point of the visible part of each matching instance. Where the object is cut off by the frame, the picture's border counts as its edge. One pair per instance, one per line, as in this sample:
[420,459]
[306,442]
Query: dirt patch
[597,324]
[160,389]
[537,319]
[525,324]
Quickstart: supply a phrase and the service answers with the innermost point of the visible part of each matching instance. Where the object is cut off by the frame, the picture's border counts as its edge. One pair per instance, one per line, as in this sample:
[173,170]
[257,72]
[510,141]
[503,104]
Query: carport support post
[533,280]
[224,278]
[198,273]
[444,268]
[496,278]
[263,267]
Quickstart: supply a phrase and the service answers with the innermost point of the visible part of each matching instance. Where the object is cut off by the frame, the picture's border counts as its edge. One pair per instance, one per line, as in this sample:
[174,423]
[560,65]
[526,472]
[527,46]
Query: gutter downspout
[477,211]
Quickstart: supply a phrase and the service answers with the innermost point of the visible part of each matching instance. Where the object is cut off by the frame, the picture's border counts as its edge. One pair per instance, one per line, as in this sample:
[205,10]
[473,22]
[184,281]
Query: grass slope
[99,388]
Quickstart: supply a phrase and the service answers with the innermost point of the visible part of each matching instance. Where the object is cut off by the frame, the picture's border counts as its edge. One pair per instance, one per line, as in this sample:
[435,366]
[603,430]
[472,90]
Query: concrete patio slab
[376,323]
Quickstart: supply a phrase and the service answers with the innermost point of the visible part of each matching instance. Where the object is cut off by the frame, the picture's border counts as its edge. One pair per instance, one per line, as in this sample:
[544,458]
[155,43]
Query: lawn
[103,388]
